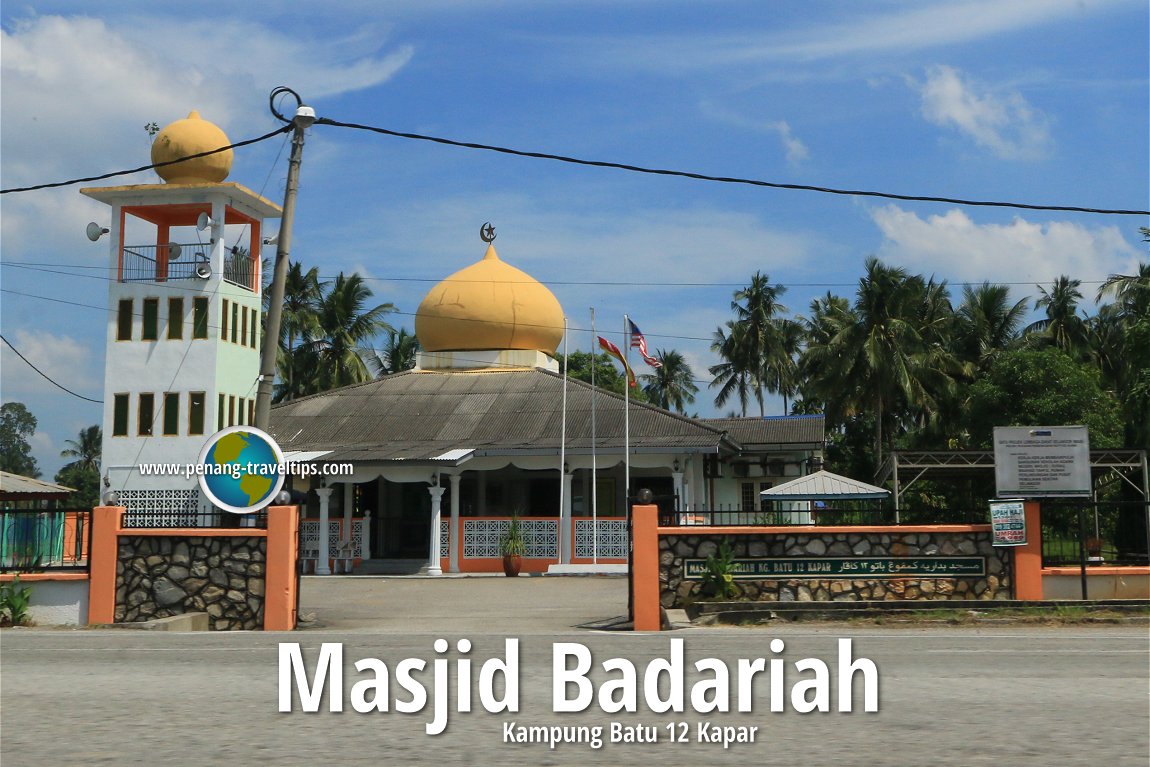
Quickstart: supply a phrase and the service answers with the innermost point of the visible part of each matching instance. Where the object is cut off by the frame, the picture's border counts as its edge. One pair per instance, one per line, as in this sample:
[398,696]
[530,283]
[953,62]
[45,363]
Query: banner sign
[845,567]
[1008,523]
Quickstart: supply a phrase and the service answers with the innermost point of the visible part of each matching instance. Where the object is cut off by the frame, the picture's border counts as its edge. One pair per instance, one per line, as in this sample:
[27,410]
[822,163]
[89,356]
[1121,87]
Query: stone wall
[994,583]
[158,576]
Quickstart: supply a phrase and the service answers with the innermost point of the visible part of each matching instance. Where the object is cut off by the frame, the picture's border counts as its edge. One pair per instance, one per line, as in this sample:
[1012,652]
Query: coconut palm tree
[819,364]
[1131,291]
[672,386]
[758,316]
[347,327]
[735,375]
[1062,325]
[987,322]
[885,357]
[782,369]
[298,323]
[298,373]
[86,449]
[1119,339]
[397,355]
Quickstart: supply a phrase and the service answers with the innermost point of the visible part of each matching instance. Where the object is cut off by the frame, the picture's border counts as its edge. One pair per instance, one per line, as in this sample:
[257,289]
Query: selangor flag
[613,350]
[640,343]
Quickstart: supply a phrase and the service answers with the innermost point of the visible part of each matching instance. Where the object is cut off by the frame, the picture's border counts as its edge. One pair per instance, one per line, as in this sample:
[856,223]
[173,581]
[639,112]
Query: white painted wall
[58,603]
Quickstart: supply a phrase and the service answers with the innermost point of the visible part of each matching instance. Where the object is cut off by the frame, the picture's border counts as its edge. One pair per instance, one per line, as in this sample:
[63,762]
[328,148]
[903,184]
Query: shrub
[719,578]
[14,600]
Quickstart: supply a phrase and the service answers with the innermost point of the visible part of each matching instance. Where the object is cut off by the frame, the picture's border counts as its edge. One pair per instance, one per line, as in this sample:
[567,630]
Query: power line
[73,181]
[729,179]
[45,375]
[108,310]
[605,164]
[41,266]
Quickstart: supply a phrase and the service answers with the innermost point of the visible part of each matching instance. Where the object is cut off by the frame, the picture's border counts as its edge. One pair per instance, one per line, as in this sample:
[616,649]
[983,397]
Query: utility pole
[304,118]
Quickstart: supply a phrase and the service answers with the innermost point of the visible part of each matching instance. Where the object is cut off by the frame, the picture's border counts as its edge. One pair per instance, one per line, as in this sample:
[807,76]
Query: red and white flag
[613,350]
[640,343]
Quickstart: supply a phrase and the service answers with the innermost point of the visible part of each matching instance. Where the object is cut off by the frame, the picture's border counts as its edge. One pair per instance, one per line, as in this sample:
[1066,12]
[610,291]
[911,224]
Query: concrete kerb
[184,622]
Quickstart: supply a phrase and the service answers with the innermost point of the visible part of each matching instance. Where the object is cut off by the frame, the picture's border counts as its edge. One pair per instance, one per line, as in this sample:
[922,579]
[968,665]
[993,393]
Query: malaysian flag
[640,343]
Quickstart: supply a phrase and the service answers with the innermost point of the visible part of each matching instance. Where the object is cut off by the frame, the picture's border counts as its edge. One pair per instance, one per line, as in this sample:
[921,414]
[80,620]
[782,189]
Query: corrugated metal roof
[15,485]
[419,415]
[795,430]
[824,486]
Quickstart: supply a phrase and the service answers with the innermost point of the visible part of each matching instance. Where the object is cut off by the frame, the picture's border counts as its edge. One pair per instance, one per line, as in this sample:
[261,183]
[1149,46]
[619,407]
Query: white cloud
[68,361]
[917,26]
[852,30]
[796,151]
[955,247]
[795,148]
[78,92]
[61,358]
[1000,121]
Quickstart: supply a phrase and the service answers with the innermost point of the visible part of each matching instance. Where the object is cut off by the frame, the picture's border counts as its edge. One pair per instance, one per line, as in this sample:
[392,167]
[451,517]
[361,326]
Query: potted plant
[512,546]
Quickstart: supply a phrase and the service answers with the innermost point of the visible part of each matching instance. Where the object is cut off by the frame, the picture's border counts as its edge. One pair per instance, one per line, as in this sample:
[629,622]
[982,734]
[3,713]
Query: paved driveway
[406,604]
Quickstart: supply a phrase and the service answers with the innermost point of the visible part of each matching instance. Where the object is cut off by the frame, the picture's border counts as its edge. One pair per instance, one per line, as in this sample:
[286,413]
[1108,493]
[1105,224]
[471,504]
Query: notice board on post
[1042,461]
[1008,523]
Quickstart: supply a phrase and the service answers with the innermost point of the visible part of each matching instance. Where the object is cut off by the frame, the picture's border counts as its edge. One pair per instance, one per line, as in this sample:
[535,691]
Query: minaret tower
[184,305]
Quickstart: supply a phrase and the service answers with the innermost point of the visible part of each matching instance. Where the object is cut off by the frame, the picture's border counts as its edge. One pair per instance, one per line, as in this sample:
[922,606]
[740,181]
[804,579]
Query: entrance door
[406,522]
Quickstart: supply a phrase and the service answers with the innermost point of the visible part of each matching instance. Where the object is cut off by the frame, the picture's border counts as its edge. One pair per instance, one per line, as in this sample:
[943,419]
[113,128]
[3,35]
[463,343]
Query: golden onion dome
[189,136]
[489,305]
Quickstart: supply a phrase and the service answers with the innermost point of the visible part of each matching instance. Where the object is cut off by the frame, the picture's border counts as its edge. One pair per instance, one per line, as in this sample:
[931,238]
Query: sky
[1033,101]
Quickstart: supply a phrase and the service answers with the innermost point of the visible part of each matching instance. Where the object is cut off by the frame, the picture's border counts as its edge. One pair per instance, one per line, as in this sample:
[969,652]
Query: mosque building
[483,429]
[486,427]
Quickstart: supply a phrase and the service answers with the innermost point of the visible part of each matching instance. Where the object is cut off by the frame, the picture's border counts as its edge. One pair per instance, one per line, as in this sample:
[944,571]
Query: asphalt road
[1002,696]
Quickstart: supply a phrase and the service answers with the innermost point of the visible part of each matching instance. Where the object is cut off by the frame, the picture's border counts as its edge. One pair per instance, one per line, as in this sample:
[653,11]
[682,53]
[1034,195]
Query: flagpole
[594,466]
[627,461]
[626,415]
[563,518]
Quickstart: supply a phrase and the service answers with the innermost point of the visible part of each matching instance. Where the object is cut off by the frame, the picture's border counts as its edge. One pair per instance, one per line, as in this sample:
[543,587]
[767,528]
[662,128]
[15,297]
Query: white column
[348,502]
[453,530]
[433,566]
[321,566]
[566,528]
[365,536]
[677,478]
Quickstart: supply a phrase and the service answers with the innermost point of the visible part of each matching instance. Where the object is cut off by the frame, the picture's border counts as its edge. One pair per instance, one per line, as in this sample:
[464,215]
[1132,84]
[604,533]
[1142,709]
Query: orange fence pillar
[645,582]
[103,552]
[1028,558]
[280,577]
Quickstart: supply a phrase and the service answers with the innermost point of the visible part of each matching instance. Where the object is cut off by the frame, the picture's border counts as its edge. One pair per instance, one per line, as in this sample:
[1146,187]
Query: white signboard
[1042,461]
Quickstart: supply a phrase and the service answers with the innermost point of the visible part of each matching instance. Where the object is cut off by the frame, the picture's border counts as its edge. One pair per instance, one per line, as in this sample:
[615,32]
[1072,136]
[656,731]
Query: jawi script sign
[1042,461]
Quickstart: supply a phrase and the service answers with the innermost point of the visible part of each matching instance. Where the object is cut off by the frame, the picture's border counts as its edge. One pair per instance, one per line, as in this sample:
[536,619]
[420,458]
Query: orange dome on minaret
[189,136]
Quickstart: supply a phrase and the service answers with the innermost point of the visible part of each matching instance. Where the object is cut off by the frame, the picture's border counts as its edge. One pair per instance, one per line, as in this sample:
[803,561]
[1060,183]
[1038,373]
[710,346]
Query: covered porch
[450,515]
